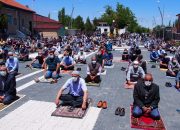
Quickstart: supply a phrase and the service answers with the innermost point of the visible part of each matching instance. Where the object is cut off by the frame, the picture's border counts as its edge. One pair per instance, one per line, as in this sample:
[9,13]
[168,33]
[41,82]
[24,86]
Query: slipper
[122,112]
[123,68]
[153,66]
[117,111]
[178,110]
[168,84]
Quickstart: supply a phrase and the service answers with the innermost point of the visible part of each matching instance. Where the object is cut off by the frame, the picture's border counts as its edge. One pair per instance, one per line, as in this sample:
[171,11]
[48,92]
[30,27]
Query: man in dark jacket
[146,98]
[93,71]
[7,86]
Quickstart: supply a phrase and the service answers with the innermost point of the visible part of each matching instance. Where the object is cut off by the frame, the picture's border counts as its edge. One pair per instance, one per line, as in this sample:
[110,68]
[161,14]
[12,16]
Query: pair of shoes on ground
[102,104]
[120,111]
[168,84]
[153,66]
[123,68]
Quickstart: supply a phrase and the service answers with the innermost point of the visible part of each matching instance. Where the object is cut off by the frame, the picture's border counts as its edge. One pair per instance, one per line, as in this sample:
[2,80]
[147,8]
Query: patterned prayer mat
[93,84]
[18,97]
[66,71]
[63,111]
[146,123]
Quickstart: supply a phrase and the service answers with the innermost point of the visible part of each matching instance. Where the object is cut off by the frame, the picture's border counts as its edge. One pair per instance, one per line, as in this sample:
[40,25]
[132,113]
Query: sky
[146,11]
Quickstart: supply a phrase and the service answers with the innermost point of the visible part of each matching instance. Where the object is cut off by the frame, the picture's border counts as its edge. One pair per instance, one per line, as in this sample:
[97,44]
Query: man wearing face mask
[51,66]
[173,68]
[93,71]
[12,64]
[134,73]
[81,57]
[67,62]
[154,57]
[108,57]
[78,94]
[99,58]
[7,86]
[24,54]
[146,98]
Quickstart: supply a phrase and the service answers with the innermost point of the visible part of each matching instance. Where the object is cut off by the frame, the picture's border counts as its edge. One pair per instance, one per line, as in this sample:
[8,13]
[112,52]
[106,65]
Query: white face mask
[75,79]
[135,66]
[94,62]
[147,83]
[11,57]
[51,56]
[3,73]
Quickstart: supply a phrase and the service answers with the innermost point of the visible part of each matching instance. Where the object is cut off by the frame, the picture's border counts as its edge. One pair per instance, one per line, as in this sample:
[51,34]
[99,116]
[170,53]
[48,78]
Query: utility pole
[162,19]
[70,22]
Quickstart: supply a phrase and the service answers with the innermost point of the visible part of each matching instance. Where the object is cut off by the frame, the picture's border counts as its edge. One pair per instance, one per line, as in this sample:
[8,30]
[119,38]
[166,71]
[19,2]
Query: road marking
[28,75]
[33,82]
[28,84]
[42,119]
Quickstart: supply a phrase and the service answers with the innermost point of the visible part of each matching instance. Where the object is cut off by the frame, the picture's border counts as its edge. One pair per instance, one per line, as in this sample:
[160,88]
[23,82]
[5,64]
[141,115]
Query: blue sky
[146,11]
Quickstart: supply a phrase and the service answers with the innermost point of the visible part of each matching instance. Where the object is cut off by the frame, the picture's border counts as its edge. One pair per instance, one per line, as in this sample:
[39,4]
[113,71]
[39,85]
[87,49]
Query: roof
[45,22]
[15,4]
[40,18]
[178,15]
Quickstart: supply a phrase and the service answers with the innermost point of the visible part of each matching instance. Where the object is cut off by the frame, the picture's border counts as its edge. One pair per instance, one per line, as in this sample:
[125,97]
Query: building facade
[45,26]
[178,24]
[18,18]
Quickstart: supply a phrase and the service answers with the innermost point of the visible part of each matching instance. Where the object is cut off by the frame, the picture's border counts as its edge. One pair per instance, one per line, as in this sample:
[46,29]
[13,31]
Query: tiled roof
[40,18]
[15,4]
[47,26]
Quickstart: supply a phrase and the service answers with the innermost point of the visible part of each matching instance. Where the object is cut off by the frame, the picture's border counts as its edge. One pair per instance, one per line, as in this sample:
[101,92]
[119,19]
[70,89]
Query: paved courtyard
[34,110]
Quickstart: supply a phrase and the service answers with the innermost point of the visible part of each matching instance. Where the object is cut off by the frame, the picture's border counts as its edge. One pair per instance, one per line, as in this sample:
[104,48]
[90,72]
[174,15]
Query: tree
[61,16]
[88,25]
[78,23]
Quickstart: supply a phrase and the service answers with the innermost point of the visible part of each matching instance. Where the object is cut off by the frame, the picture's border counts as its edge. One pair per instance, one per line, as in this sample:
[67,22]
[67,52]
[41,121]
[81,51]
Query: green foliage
[78,23]
[3,21]
[88,25]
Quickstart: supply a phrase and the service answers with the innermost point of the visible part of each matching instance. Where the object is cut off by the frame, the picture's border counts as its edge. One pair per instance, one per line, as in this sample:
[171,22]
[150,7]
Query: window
[105,30]
[10,19]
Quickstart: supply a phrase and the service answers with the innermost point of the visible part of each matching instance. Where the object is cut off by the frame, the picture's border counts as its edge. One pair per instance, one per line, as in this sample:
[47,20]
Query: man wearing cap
[93,71]
[51,66]
[146,98]
[78,94]
[134,73]
[12,64]
[7,86]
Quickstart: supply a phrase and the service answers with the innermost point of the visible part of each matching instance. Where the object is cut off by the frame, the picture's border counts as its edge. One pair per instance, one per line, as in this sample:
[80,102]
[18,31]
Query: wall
[102,28]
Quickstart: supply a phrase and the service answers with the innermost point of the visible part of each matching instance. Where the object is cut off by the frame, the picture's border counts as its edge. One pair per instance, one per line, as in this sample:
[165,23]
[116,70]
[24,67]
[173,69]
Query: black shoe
[168,84]
[78,69]
[122,112]
[123,68]
[153,66]
[117,111]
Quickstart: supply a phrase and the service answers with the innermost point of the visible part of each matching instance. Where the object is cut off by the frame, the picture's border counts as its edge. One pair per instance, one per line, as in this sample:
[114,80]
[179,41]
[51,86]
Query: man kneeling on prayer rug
[93,71]
[78,94]
[135,73]
[146,98]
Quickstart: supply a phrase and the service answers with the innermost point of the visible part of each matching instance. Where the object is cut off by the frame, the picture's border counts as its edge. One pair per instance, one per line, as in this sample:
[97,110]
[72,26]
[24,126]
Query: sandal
[117,111]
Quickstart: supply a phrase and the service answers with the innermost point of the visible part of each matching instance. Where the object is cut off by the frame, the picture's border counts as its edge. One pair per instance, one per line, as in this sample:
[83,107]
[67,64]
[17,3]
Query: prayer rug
[146,123]
[43,80]
[66,71]
[18,97]
[93,84]
[109,67]
[164,70]
[63,111]
[170,77]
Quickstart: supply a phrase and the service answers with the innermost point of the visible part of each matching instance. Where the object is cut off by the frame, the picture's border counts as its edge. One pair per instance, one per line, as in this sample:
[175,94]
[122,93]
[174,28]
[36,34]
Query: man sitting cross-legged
[146,98]
[78,94]
[7,86]
[125,55]
[173,68]
[81,57]
[67,62]
[93,71]
[134,74]
[51,66]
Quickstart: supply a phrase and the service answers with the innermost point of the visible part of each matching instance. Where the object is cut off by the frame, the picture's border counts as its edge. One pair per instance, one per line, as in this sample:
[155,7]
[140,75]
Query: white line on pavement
[33,82]
[28,75]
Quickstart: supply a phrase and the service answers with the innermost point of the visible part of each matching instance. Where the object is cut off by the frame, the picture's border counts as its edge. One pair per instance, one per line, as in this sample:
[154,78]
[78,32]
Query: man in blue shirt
[78,94]
[67,62]
[154,56]
[108,57]
[12,64]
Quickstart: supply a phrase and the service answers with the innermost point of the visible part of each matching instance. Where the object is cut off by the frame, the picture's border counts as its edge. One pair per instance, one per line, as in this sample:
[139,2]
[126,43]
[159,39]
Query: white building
[103,27]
